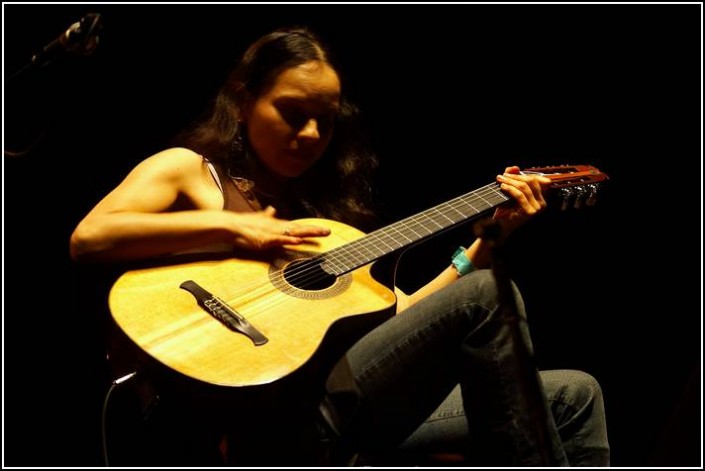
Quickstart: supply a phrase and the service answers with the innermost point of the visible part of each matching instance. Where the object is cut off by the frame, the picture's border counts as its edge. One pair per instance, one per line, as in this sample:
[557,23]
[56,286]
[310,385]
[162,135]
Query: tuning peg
[580,193]
[592,194]
[566,194]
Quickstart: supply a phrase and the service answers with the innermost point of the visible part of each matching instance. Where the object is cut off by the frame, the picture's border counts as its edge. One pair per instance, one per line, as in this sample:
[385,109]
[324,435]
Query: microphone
[81,38]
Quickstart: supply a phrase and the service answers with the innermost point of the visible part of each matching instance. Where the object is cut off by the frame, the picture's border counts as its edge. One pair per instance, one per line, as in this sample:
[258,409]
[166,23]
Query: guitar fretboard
[413,229]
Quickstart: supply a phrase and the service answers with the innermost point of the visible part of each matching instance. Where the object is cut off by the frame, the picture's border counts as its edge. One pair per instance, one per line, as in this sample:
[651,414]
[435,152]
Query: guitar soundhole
[300,274]
[307,274]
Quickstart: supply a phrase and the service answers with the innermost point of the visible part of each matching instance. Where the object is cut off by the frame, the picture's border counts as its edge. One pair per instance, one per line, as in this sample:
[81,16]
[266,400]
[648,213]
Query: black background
[452,94]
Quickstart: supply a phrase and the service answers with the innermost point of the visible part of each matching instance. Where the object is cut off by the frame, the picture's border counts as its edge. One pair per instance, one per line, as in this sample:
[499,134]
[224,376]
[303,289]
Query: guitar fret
[409,227]
[432,219]
[356,249]
[446,216]
[386,237]
[483,199]
[393,228]
[384,241]
[470,205]
[328,261]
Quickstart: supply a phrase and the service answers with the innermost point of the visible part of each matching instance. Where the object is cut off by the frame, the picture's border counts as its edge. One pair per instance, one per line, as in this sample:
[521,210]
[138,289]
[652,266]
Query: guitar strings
[309,273]
[415,228]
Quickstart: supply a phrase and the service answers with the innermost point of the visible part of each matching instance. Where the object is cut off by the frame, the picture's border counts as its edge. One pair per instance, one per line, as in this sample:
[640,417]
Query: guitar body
[167,324]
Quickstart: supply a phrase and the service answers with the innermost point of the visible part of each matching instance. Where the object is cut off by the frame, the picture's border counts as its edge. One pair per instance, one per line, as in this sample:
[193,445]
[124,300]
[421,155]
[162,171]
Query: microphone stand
[529,386]
[81,38]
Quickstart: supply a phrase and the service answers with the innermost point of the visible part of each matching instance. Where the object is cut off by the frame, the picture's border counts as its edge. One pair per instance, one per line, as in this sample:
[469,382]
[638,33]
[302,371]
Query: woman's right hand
[263,230]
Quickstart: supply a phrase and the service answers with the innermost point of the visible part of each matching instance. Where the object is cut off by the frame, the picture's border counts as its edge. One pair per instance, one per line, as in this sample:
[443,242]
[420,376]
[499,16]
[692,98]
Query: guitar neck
[411,230]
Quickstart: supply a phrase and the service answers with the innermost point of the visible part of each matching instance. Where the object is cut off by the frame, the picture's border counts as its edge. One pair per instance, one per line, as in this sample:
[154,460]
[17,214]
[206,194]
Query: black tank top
[238,193]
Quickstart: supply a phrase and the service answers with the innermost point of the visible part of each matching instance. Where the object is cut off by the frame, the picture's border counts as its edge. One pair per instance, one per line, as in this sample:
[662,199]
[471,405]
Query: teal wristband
[461,262]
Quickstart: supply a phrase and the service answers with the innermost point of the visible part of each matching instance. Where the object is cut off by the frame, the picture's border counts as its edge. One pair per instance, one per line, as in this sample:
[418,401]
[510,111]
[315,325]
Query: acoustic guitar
[252,319]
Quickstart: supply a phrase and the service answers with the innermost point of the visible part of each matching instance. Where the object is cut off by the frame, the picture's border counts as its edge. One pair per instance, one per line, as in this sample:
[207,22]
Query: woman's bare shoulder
[175,156]
[175,162]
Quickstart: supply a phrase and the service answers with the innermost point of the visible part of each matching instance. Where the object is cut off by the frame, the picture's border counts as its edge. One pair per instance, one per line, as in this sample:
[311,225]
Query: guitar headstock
[576,183]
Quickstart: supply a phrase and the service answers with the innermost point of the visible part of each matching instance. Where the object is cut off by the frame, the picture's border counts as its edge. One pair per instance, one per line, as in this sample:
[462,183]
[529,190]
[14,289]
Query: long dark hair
[338,186]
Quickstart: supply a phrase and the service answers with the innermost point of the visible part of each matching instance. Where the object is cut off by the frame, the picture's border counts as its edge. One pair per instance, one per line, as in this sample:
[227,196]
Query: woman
[281,143]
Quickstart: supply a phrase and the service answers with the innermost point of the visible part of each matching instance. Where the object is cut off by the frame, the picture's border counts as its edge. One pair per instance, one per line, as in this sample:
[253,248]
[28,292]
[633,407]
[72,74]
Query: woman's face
[291,123]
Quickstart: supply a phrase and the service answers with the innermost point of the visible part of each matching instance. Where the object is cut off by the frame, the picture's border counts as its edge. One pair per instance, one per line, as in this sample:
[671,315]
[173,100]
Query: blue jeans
[446,375]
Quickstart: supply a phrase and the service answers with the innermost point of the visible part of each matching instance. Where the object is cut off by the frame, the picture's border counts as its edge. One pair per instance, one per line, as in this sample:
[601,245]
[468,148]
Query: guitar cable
[104,414]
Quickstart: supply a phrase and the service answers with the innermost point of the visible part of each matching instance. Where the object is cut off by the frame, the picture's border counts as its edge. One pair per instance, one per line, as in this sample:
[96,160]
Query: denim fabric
[448,375]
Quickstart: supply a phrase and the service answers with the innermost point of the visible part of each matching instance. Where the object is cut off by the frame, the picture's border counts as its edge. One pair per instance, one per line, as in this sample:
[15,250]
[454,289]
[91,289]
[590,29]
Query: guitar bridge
[229,317]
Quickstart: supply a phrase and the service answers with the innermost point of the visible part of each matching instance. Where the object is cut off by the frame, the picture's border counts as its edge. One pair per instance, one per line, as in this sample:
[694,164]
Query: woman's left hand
[527,193]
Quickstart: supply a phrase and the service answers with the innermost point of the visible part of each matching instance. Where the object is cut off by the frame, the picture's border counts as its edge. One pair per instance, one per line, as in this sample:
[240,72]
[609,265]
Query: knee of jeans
[480,287]
[579,388]
[589,389]
[477,287]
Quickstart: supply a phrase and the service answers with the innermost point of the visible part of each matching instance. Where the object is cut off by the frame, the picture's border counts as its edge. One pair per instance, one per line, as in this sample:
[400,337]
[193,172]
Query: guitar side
[167,323]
